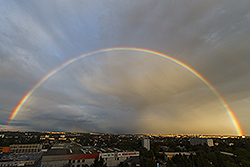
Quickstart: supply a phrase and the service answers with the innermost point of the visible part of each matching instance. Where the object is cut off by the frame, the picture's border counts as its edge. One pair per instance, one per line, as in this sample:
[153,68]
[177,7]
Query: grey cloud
[123,91]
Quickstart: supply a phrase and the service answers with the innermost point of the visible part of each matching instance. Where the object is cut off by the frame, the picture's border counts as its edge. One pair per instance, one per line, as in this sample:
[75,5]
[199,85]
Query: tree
[99,163]
[147,162]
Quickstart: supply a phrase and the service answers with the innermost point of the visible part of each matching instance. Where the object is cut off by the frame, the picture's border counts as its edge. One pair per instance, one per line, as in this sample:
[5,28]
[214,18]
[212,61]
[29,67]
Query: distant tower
[146,143]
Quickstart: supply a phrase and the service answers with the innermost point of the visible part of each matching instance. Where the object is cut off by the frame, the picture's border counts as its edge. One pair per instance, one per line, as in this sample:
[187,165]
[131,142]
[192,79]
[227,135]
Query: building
[146,143]
[21,155]
[5,149]
[115,158]
[201,141]
[73,154]
[62,158]
[25,148]
[21,159]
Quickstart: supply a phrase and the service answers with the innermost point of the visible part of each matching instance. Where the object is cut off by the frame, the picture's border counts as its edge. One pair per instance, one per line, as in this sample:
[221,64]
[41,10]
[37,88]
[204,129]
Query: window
[78,160]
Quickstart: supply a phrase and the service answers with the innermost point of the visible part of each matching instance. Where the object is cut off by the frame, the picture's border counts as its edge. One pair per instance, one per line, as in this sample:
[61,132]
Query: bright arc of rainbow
[188,68]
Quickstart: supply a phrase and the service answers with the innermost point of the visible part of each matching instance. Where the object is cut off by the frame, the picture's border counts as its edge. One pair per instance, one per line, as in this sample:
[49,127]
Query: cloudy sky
[125,91]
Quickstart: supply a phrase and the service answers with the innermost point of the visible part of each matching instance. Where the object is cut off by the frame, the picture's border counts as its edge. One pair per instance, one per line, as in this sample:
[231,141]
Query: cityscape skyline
[125,67]
[61,148]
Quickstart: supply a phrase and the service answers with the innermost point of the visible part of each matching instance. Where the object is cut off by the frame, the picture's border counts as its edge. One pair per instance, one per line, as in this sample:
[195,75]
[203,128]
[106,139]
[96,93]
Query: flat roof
[76,148]
[64,151]
[19,156]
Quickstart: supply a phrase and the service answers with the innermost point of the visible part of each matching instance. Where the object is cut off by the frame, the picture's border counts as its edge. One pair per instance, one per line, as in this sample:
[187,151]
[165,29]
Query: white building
[115,158]
[146,143]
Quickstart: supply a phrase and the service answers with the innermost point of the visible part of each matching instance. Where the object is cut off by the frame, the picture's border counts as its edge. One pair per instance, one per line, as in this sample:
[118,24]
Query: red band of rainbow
[199,76]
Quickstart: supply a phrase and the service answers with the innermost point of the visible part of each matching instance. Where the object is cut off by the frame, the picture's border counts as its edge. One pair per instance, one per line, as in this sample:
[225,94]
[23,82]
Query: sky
[125,91]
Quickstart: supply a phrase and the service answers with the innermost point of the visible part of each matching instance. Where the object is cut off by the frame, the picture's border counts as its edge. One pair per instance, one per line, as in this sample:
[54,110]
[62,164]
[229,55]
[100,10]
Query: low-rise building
[77,155]
[24,148]
[201,141]
[21,159]
[115,158]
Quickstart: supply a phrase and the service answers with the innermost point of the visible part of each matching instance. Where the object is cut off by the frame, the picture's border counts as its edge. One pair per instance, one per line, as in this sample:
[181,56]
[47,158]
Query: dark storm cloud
[123,92]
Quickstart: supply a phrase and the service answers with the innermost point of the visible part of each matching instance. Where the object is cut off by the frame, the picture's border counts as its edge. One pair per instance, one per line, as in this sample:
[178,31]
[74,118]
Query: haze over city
[127,90]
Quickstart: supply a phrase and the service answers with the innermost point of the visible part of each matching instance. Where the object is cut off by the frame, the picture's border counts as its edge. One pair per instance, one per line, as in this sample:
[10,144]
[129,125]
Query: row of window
[2,165]
[77,165]
[29,146]
[70,166]
[77,161]
[24,150]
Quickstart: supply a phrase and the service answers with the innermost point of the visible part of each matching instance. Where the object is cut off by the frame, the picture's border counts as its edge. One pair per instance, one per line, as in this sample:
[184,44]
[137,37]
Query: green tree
[99,163]
[147,162]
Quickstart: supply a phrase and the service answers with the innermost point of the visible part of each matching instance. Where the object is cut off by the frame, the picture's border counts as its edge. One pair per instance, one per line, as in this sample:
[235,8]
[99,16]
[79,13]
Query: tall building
[146,143]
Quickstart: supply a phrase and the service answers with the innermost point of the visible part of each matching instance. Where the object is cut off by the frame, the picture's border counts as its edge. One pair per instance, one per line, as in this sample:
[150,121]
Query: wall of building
[59,163]
[70,160]
[54,163]
[115,158]
[146,143]
[24,148]
[114,161]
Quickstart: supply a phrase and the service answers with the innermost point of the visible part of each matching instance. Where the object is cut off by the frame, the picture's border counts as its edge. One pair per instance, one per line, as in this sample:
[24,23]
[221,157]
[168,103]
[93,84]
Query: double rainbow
[199,76]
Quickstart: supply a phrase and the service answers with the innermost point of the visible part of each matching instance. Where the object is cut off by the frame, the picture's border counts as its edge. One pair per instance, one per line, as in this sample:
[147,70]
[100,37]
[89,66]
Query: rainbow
[188,68]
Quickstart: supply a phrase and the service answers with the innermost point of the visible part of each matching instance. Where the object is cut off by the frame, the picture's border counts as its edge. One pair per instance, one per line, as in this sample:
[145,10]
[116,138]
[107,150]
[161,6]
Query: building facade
[115,158]
[146,143]
[25,148]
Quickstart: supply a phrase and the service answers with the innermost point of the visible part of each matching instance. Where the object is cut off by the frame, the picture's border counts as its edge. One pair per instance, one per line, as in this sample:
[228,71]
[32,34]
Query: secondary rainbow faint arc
[199,76]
